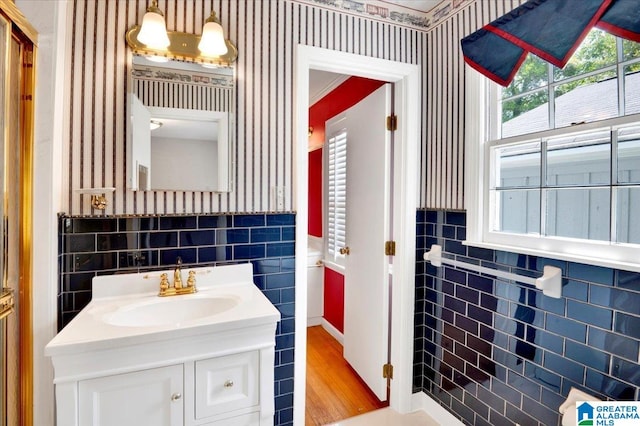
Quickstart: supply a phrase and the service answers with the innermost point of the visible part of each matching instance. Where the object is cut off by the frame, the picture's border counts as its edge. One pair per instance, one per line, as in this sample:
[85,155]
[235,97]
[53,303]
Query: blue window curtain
[550,29]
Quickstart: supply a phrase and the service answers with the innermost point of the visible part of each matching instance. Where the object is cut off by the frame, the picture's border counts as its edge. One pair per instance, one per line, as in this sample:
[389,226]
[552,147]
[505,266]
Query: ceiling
[323,82]
[175,128]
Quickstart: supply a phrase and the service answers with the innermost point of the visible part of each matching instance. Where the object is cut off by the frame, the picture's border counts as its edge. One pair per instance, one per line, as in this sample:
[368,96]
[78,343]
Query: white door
[148,397]
[366,289]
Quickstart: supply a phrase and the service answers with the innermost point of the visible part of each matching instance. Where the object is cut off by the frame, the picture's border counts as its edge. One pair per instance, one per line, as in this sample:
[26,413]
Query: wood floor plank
[334,390]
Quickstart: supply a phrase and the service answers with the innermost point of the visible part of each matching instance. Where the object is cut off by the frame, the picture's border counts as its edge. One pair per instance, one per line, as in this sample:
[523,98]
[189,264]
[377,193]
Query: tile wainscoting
[91,246]
[499,353]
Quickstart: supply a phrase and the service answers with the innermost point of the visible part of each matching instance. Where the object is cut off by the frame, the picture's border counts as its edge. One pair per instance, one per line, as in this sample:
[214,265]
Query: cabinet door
[226,384]
[148,397]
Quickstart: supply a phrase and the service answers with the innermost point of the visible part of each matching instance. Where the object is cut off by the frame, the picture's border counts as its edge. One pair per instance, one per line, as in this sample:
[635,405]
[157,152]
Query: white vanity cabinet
[214,391]
[152,397]
[213,369]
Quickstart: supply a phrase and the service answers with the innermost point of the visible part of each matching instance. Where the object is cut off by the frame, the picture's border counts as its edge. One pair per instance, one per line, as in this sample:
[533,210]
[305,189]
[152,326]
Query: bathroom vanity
[133,358]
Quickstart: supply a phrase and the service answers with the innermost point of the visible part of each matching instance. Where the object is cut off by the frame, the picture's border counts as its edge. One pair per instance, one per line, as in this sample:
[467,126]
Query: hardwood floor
[334,390]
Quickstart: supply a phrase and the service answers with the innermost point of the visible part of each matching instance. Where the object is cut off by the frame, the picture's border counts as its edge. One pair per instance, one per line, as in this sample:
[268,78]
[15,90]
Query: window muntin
[581,195]
[587,89]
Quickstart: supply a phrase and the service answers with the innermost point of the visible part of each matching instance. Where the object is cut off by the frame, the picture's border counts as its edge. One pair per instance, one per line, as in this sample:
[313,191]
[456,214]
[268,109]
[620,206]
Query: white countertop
[90,330]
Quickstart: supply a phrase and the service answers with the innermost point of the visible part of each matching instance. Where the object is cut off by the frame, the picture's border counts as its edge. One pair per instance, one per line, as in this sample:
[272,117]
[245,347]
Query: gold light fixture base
[99,202]
[98,196]
[183,47]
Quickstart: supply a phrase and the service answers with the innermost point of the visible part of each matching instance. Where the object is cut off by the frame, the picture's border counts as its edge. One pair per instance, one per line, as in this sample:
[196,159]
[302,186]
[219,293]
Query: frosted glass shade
[212,41]
[153,32]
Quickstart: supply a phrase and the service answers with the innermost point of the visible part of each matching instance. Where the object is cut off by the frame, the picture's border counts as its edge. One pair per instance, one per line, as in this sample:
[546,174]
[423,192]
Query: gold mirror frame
[183,47]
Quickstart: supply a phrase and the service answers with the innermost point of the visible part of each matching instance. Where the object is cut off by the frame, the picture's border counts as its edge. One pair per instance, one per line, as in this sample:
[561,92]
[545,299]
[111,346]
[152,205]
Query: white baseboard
[313,321]
[333,331]
[422,401]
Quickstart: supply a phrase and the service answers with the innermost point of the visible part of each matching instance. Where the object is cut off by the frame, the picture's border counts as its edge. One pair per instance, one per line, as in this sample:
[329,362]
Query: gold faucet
[166,289]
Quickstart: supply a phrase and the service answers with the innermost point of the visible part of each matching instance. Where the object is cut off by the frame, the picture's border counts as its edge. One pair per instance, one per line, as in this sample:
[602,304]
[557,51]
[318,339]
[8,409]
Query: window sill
[607,263]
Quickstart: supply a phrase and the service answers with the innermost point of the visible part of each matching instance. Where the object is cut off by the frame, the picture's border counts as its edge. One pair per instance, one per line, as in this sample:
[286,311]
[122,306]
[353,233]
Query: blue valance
[550,29]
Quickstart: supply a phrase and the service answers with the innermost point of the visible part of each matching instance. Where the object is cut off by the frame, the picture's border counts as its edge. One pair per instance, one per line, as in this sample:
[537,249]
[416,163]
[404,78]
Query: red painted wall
[343,97]
[315,193]
[334,298]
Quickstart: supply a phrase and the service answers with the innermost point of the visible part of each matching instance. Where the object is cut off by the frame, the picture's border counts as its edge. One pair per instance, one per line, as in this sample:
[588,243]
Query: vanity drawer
[226,383]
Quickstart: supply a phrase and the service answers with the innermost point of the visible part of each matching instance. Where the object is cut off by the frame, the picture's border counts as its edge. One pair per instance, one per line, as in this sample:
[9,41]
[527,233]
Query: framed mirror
[180,136]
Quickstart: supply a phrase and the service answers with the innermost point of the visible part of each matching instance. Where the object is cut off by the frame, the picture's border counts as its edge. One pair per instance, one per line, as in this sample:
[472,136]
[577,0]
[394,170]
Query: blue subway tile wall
[91,246]
[500,353]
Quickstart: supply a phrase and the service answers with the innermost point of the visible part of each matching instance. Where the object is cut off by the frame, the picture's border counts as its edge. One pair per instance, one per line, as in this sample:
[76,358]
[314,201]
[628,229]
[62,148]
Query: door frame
[27,37]
[405,168]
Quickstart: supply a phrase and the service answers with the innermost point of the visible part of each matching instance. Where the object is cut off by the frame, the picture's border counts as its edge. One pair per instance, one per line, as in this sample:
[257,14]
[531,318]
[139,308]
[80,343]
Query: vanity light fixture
[151,39]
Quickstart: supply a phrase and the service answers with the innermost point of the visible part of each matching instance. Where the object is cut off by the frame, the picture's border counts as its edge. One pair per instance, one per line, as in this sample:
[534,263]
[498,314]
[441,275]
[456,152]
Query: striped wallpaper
[266,33]
[185,94]
[442,175]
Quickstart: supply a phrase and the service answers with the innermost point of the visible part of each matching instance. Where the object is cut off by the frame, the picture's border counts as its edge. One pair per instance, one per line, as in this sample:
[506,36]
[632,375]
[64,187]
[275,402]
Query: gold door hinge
[392,122]
[387,371]
[390,248]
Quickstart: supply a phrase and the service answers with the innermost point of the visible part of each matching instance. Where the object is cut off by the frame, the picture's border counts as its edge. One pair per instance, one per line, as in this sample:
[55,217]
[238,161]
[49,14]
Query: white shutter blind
[337,196]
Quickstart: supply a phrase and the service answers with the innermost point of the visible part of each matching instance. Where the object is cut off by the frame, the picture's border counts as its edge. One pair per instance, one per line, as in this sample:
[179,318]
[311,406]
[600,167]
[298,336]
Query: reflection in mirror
[180,136]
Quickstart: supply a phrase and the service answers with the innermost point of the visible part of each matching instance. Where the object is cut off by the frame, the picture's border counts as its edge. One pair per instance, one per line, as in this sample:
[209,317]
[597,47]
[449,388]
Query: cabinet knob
[228,384]
[176,396]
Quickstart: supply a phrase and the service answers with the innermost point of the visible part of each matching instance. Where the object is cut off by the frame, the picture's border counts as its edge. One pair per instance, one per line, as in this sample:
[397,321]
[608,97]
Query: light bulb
[153,32]
[212,41]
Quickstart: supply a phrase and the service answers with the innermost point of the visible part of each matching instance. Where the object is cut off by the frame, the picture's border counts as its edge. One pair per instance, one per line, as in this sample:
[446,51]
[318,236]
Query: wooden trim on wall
[27,126]
[27,37]
[10,10]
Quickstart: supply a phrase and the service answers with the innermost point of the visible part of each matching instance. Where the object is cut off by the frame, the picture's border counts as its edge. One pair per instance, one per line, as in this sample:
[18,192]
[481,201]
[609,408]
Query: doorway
[407,107]
[350,213]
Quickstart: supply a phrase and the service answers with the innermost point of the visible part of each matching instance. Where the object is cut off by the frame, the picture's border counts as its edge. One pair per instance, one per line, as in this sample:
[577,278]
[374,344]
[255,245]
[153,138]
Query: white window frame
[480,96]
[333,127]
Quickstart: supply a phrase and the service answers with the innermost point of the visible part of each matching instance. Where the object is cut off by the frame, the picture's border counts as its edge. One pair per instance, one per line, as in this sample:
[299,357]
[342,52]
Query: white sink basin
[174,310]
[125,311]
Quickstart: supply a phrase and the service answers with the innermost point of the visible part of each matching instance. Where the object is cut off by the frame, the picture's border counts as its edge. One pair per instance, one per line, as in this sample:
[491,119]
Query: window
[559,156]
[601,81]
[336,190]
[576,185]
